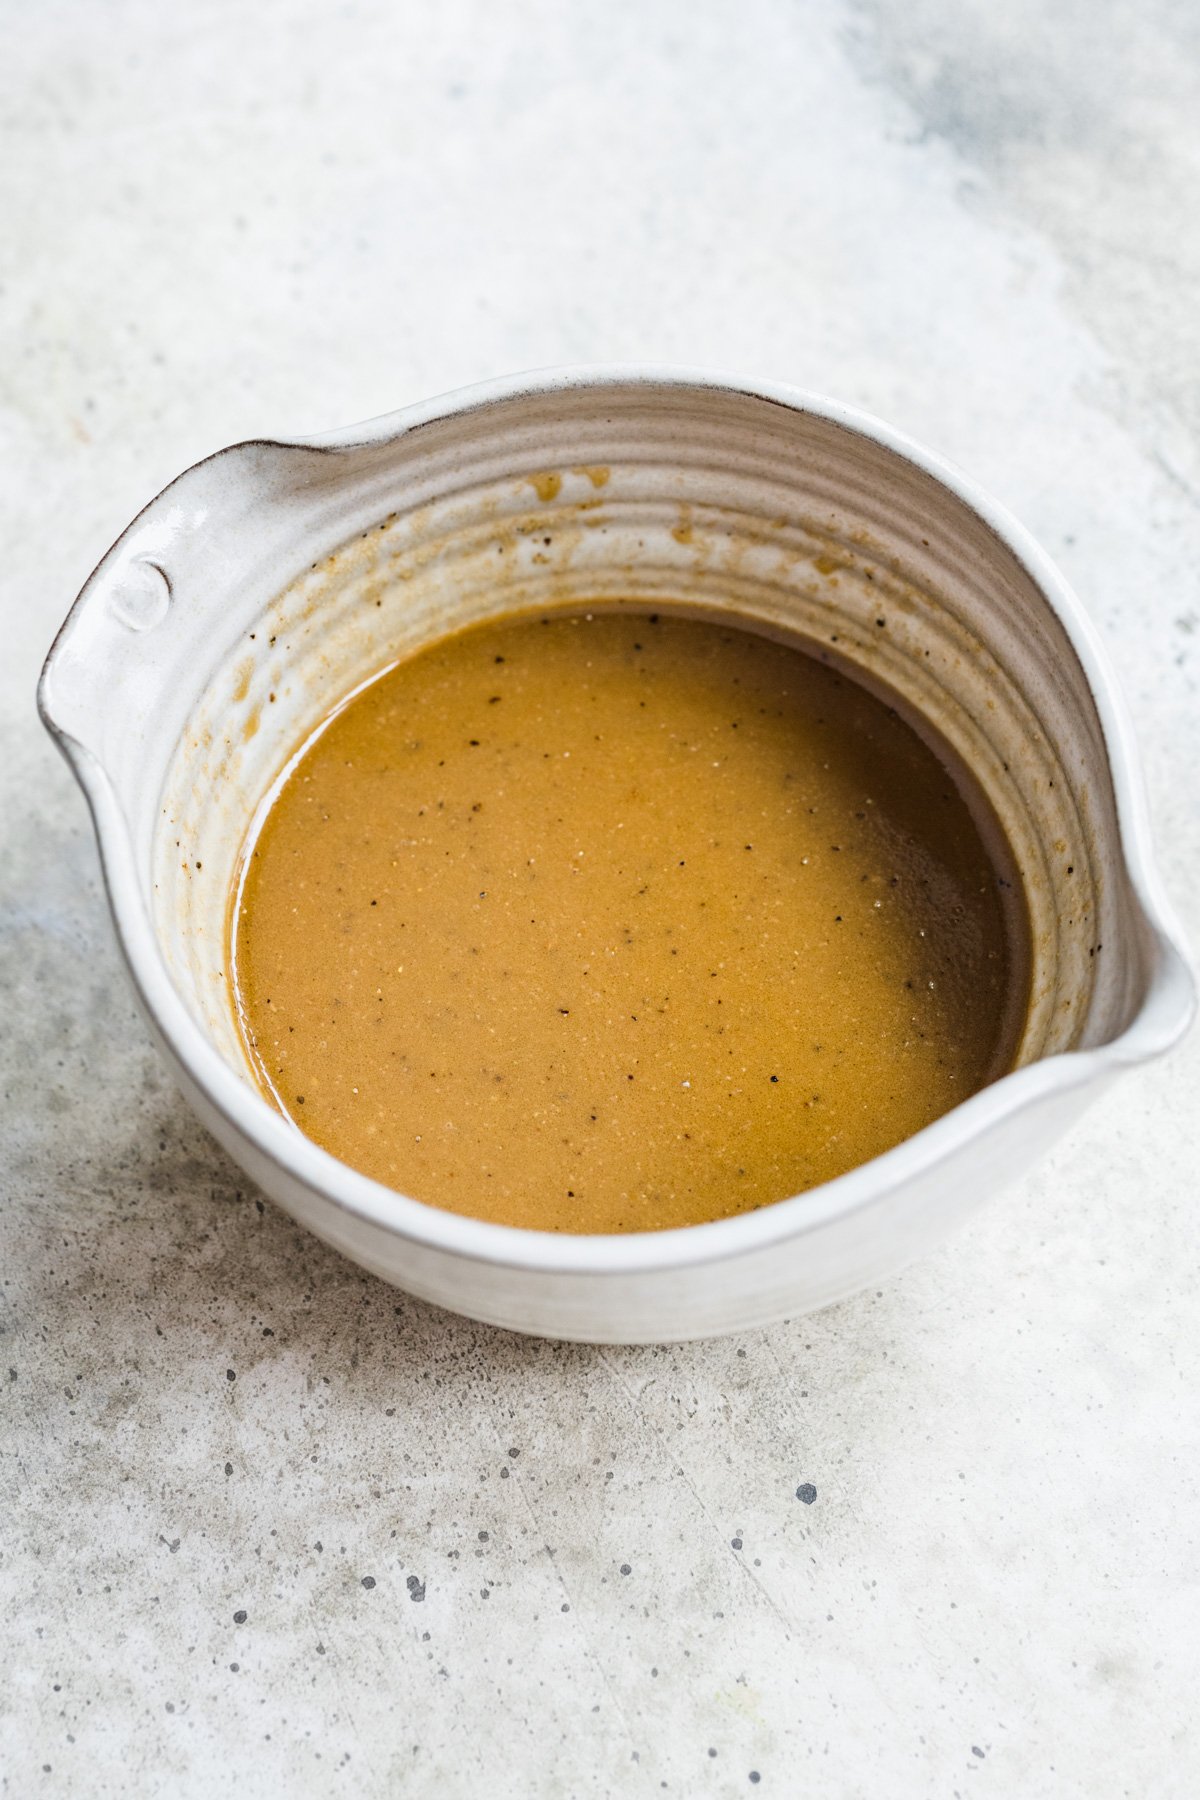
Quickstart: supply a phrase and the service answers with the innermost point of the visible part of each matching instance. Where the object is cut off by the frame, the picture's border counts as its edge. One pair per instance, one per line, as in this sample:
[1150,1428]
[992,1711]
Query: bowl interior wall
[306,571]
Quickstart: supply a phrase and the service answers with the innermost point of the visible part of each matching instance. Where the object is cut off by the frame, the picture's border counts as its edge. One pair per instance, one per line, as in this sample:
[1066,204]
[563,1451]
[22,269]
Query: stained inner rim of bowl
[726,502]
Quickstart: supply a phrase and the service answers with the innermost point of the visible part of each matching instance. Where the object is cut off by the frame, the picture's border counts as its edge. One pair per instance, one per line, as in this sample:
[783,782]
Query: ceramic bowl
[268,581]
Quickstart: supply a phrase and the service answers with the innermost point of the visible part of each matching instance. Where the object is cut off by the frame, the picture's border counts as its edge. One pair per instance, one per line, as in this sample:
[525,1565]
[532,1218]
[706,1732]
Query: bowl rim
[1161,1020]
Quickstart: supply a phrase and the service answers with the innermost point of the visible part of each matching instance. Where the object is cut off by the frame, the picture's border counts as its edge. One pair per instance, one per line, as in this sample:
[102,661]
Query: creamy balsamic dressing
[615,922]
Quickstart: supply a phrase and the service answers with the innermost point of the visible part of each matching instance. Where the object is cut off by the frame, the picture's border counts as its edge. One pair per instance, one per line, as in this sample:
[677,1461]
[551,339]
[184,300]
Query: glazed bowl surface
[270,580]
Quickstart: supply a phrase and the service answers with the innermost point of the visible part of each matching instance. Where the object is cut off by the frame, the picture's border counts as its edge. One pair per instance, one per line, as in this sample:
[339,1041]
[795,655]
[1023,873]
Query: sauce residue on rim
[607,922]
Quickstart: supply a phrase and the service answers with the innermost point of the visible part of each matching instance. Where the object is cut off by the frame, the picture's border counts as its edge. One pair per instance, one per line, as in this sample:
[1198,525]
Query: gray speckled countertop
[270,1527]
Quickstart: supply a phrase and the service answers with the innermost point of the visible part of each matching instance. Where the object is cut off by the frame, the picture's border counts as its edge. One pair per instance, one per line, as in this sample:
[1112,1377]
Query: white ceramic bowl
[266,582]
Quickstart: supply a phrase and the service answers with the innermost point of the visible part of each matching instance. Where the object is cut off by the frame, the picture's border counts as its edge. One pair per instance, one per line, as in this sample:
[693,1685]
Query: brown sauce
[614,922]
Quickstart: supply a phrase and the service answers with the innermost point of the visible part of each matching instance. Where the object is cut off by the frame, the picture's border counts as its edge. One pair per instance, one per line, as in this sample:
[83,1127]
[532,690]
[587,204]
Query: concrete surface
[272,1528]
